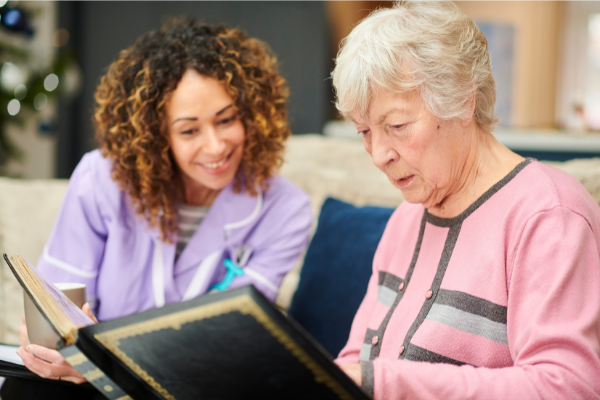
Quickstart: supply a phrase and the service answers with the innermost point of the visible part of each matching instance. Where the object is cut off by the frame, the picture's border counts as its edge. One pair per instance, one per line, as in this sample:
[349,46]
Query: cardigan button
[428,294]
[401,350]
[375,340]
[401,286]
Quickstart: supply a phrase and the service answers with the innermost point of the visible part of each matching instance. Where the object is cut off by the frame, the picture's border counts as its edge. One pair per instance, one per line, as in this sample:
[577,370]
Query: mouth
[403,182]
[215,165]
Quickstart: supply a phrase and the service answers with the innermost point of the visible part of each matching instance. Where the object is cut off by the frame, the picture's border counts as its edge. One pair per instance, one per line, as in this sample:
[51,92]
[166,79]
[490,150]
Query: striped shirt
[190,218]
[499,302]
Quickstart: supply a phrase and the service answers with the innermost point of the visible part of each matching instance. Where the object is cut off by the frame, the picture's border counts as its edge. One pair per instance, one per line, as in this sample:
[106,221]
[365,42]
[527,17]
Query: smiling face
[421,155]
[205,131]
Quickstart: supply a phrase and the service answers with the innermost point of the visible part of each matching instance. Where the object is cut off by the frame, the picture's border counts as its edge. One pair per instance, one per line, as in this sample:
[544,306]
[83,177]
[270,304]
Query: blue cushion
[336,271]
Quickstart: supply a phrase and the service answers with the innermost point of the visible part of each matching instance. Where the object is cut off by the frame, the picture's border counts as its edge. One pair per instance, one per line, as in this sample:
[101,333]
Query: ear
[468,120]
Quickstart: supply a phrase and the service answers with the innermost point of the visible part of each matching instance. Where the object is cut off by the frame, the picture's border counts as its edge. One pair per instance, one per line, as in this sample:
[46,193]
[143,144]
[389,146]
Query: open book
[64,316]
[230,345]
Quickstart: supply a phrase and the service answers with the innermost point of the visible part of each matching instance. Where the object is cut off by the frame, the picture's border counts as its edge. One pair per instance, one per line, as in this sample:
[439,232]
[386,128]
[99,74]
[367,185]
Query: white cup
[38,329]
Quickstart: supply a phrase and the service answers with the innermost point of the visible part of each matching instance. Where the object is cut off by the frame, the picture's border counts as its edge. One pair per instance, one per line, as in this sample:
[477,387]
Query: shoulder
[283,192]
[534,209]
[94,165]
[539,188]
[92,182]
[285,206]
[279,203]
[540,176]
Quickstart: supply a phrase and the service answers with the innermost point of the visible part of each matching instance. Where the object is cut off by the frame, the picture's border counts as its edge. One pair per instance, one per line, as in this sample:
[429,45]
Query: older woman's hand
[354,371]
[47,363]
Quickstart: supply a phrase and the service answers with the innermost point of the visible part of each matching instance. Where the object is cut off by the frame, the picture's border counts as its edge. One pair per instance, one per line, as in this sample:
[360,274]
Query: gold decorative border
[242,304]
[94,374]
[76,359]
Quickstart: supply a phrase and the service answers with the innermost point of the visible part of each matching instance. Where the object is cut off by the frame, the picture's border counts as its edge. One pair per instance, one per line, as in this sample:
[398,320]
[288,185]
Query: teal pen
[232,271]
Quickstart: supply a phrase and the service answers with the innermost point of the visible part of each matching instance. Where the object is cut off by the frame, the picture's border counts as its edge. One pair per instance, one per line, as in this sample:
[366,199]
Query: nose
[212,143]
[381,149]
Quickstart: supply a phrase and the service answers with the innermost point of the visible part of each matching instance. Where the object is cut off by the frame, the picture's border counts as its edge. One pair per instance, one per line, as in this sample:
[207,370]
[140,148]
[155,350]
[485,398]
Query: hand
[47,363]
[86,309]
[354,371]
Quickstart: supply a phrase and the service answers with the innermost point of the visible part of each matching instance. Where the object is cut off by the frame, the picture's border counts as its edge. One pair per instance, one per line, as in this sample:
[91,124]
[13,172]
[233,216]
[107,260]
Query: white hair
[429,47]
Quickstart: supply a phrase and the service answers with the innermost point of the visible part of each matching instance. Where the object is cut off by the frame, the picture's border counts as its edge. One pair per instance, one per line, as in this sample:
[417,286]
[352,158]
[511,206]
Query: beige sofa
[320,165]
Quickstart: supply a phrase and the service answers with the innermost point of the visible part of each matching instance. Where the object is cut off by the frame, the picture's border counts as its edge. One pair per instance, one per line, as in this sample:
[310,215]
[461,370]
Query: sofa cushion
[336,271]
[332,167]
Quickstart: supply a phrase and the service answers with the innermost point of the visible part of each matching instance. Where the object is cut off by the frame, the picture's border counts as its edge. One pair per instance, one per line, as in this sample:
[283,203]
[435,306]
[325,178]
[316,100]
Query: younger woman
[191,121]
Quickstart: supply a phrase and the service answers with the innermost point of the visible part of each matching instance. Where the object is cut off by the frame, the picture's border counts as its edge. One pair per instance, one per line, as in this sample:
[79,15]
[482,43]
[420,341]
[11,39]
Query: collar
[229,212]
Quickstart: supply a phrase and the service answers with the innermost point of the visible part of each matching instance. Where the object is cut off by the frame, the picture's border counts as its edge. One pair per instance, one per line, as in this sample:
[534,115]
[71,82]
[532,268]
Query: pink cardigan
[501,302]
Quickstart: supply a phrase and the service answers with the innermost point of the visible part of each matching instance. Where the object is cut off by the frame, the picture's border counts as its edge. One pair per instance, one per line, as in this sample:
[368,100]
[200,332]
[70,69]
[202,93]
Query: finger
[88,311]
[48,370]
[75,379]
[34,364]
[23,337]
[46,354]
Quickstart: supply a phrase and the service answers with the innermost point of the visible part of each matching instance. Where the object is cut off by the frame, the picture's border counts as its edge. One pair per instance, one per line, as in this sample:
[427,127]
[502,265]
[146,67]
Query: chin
[412,197]
[410,200]
[218,184]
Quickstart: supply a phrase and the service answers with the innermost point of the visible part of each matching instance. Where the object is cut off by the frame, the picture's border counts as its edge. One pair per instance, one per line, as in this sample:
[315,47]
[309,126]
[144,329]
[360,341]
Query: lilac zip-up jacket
[99,240]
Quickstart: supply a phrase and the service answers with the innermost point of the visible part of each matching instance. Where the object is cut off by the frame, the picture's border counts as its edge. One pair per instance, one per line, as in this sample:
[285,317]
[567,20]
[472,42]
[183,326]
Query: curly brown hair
[130,110]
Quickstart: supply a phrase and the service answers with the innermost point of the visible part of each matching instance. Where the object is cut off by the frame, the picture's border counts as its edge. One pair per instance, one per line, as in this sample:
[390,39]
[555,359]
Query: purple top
[99,240]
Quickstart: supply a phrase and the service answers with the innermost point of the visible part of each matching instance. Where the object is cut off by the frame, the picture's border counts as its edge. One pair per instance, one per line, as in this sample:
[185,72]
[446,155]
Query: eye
[396,126]
[227,120]
[366,131]
[187,132]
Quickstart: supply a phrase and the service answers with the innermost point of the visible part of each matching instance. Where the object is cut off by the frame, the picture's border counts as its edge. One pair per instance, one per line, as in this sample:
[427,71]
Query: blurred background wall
[27,109]
[545,58]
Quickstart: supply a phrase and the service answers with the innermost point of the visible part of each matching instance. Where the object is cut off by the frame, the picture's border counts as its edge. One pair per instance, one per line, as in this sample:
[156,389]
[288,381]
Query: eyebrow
[392,111]
[384,116]
[224,109]
[221,111]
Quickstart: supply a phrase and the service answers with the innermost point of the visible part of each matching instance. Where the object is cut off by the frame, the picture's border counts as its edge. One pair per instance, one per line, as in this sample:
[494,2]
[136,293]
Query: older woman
[191,121]
[486,282]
